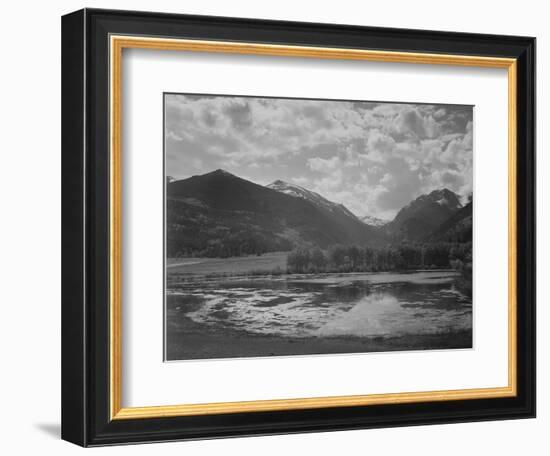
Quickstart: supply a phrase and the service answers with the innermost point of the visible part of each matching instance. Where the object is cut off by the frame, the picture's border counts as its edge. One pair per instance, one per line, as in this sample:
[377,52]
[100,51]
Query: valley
[280,270]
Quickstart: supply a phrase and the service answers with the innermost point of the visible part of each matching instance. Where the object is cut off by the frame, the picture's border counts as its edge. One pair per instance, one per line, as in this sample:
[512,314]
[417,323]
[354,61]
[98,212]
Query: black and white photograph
[305,226]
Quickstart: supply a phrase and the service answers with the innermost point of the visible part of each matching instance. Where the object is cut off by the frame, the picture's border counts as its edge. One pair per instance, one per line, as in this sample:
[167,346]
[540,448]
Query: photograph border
[93,40]
[164,201]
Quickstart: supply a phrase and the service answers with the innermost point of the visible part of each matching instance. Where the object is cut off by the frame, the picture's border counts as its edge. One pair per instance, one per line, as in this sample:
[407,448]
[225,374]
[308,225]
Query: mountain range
[220,214]
[418,219]
[313,197]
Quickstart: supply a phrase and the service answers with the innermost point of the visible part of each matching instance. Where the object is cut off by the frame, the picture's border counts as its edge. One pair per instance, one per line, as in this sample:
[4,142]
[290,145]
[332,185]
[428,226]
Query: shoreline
[273,264]
[187,277]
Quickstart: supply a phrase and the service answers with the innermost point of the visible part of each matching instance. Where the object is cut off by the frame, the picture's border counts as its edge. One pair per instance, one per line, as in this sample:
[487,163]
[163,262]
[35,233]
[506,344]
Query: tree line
[353,258]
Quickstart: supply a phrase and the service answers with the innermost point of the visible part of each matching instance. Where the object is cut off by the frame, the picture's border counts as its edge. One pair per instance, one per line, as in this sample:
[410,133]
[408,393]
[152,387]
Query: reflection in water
[365,305]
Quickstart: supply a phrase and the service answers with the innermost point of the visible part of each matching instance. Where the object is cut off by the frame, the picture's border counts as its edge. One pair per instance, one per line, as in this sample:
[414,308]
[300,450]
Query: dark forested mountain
[219,214]
[417,220]
[457,228]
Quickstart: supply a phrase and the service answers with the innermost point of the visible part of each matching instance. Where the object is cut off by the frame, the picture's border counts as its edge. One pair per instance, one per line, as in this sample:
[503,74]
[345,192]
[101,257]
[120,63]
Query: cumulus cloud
[372,157]
[323,165]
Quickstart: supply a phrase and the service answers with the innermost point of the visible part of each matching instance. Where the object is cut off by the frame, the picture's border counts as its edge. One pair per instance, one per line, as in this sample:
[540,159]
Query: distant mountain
[418,219]
[457,228]
[220,214]
[313,197]
[373,221]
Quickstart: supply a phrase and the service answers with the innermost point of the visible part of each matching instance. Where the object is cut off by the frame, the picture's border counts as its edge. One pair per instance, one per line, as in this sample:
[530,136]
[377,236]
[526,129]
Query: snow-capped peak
[313,197]
[373,221]
[445,197]
[289,189]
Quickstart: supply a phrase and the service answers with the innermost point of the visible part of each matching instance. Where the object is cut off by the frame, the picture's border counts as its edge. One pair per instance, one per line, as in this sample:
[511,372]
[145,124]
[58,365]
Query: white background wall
[30,226]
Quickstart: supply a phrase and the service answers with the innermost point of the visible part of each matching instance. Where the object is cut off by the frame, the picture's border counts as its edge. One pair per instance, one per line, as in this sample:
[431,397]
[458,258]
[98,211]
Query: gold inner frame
[117,44]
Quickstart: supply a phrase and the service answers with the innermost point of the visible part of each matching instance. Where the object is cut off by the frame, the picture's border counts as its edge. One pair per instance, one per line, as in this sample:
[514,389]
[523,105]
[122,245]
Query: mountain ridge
[221,214]
[416,220]
[309,195]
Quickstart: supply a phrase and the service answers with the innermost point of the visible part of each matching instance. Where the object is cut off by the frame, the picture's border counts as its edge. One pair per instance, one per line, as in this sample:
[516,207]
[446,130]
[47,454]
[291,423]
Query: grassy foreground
[189,340]
[267,262]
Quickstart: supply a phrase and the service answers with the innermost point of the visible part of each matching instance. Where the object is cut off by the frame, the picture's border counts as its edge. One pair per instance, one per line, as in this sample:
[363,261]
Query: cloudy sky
[372,157]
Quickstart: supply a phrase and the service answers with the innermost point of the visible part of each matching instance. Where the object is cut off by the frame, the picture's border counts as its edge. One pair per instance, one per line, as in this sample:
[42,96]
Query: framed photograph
[278,227]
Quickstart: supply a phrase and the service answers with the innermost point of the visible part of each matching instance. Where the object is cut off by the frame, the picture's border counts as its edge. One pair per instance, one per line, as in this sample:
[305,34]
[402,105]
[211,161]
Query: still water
[327,305]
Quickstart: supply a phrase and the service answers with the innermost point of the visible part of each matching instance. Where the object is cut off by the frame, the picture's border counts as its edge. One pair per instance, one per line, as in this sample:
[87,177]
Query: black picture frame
[85,223]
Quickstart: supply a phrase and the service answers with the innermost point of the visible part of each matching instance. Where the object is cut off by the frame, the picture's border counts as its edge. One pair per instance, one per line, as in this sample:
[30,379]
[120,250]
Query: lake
[353,312]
